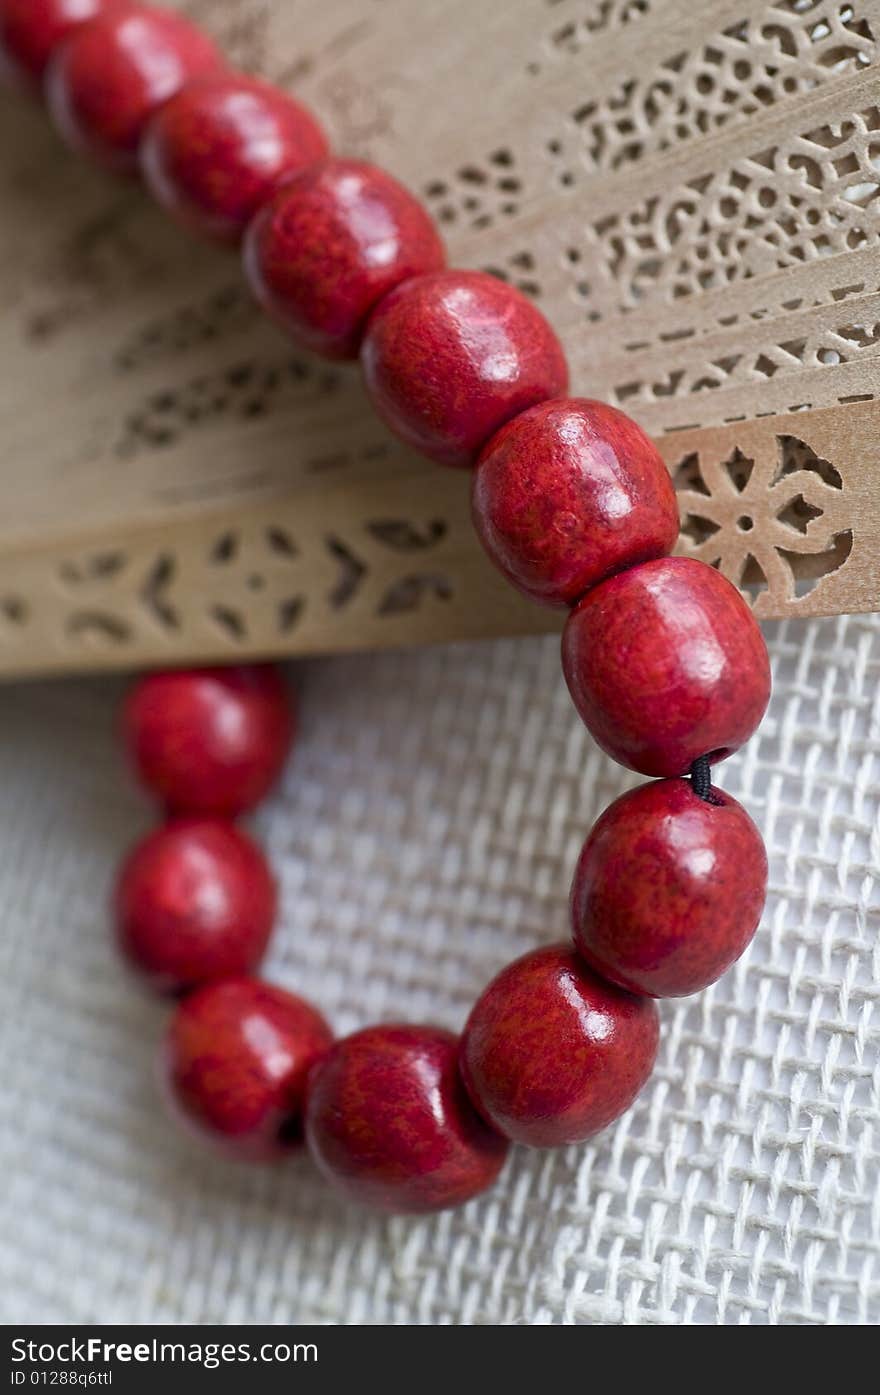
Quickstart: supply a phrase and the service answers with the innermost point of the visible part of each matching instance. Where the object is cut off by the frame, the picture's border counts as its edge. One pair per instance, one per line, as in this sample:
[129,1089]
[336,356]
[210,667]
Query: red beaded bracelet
[663,658]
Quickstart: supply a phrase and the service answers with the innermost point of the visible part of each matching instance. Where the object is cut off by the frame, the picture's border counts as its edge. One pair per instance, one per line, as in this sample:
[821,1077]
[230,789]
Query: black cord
[701,779]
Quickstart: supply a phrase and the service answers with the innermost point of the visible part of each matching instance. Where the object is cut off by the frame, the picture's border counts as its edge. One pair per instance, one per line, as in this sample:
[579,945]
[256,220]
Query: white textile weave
[425,834]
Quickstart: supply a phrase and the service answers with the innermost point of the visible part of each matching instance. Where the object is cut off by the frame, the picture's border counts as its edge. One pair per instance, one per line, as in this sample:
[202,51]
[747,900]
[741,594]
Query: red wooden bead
[388,1121]
[568,493]
[195,901]
[209,740]
[236,1059]
[31,30]
[666,663]
[331,245]
[219,149]
[449,358]
[109,78]
[669,889]
[552,1053]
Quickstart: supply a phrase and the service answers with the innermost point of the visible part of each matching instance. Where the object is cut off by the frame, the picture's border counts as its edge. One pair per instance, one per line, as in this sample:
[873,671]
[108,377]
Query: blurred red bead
[331,245]
[111,76]
[236,1059]
[450,357]
[666,663]
[669,889]
[209,740]
[222,146]
[389,1122]
[551,1053]
[568,493]
[31,30]
[195,901]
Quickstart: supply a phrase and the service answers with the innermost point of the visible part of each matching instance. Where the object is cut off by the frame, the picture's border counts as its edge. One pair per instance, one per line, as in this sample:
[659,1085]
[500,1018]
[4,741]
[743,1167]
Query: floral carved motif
[250,584]
[774,523]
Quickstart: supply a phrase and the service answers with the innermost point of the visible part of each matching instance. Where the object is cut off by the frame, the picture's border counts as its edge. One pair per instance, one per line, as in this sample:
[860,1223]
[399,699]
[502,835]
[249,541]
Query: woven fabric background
[425,834]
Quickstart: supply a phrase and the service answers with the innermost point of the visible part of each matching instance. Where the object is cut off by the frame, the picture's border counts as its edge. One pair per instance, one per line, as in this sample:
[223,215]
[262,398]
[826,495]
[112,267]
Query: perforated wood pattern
[690,193]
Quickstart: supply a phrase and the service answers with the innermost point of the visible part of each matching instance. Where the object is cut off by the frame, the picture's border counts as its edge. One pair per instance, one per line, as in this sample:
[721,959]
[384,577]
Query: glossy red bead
[209,740]
[552,1053]
[449,358]
[388,1121]
[331,245]
[568,493]
[112,75]
[31,30]
[669,889]
[236,1059]
[666,663]
[217,151]
[195,901]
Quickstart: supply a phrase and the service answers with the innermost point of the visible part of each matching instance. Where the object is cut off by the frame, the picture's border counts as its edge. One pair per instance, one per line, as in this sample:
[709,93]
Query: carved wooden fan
[690,191]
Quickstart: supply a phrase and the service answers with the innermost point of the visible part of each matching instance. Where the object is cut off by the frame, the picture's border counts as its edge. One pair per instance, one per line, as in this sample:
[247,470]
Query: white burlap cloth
[425,834]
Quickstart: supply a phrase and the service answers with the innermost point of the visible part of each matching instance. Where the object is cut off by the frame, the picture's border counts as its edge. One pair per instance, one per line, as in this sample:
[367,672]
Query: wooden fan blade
[691,195]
